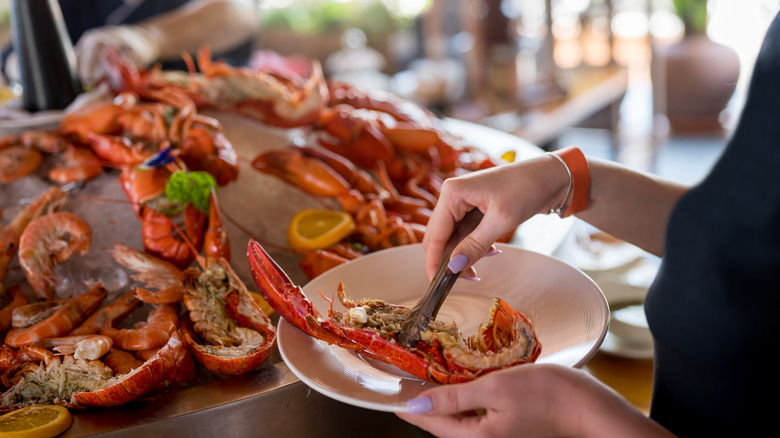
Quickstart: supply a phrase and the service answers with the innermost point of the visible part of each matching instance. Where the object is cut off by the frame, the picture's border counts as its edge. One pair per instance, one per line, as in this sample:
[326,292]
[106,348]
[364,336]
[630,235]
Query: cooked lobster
[370,327]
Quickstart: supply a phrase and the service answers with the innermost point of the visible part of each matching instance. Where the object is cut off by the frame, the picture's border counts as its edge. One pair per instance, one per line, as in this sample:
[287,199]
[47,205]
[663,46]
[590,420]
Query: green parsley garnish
[191,187]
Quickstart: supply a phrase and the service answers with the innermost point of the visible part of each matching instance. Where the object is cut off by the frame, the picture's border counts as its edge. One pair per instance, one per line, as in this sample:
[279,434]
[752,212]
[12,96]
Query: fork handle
[444,277]
[441,284]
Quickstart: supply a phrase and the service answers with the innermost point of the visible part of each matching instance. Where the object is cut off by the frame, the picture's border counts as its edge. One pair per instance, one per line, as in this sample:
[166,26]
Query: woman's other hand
[534,400]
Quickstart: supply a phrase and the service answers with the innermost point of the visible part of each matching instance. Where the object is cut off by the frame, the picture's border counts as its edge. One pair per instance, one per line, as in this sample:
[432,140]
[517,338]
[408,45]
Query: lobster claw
[281,293]
[288,300]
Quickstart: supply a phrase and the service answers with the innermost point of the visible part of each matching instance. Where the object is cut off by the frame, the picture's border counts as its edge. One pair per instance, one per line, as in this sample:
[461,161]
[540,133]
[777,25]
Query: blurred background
[655,84]
[604,74]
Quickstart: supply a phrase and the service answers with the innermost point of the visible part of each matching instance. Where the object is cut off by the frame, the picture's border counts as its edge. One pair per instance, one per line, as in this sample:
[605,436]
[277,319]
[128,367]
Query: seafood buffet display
[377,157]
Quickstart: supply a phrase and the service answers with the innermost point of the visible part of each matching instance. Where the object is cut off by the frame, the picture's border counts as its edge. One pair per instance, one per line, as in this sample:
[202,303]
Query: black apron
[714,308]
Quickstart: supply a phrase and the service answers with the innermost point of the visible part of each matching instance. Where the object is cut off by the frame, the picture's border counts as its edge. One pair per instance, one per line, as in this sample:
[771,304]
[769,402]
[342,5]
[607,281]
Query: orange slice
[317,229]
[509,156]
[262,303]
[38,421]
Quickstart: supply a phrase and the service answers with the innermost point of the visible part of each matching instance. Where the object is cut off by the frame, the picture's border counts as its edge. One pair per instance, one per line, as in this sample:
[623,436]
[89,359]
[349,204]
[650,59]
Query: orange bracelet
[577,166]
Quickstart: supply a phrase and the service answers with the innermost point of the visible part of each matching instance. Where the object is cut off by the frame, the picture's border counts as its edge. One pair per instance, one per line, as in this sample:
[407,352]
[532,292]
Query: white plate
[567,308]
[614,346]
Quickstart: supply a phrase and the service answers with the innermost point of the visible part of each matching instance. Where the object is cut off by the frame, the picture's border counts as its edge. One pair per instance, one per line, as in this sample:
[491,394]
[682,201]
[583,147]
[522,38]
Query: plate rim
[612,346]
[284,326]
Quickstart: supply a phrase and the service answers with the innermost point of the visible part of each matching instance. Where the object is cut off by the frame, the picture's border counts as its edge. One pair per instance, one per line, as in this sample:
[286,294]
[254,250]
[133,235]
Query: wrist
[144,43]
[577,192]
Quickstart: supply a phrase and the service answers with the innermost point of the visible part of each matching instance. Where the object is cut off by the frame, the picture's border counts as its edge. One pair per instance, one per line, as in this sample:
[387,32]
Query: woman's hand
[138,44]
[508,195]
[530,401]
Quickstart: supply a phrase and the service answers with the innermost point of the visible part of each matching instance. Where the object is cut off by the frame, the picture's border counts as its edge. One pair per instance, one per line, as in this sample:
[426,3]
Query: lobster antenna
[198,257]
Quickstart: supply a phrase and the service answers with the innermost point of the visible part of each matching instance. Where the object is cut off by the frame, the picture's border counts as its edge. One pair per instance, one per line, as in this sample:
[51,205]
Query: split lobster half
[41,377]
[370,327]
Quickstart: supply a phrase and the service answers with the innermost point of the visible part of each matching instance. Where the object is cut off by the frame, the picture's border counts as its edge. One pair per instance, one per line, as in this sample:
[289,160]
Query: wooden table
[593,97]
[632,378]
[590,93]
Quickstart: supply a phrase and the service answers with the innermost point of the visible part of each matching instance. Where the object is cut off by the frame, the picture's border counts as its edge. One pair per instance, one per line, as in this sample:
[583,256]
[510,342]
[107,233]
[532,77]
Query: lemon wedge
[39,421]
[262,303]
[317,229]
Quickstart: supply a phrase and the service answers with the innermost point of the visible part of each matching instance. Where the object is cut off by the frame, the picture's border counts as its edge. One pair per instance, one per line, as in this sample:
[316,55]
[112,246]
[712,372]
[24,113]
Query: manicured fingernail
[458,263]
[471,278]
[420,405]
[493,252]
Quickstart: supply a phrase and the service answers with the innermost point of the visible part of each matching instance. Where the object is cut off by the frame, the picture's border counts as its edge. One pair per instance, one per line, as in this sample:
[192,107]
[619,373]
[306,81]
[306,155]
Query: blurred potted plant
[696,76]
[315,28]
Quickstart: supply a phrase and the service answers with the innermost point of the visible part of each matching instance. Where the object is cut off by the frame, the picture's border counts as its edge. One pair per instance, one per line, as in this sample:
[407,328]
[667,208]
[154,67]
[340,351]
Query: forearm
[631,205]
[222,24]
[588,408]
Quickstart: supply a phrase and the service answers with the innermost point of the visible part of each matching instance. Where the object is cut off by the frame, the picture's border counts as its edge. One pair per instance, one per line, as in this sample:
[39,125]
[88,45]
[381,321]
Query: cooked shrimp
[16,162]
[121,361]
[33,313]
[72,312]
[17,299]
[155,331]
[76,164]
[45,204]
[9,140]
[90,347]
[48,241]
[154,273]
[45,141]
[109,315]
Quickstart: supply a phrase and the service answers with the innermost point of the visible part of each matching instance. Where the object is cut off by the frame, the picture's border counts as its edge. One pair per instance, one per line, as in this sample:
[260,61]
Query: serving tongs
[440,286]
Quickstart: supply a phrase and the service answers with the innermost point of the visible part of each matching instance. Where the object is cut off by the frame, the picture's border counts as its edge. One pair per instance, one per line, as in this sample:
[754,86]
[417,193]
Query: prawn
[18,299]
[47,241]
[45,141]
[89,347]
[68,314]
[47,203]
[154,332]
[75,164]
[154,273]
[121,361]
[108,315]
[16,162]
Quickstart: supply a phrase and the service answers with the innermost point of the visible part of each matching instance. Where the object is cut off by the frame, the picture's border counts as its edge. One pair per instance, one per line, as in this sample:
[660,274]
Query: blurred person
[156,31]
[712,308]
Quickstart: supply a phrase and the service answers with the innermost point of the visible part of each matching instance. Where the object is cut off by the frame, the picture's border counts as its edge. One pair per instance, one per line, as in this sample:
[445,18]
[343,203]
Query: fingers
[449,426]
[88,52]
[438,232]
[131,41]
[480,242]
[449,410]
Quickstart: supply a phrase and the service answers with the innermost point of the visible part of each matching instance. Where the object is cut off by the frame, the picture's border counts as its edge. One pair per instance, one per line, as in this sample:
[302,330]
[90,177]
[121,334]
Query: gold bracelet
[562,208]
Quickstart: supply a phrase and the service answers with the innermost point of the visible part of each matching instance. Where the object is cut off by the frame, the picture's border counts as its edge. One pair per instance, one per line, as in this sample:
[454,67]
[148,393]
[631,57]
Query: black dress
[714,308]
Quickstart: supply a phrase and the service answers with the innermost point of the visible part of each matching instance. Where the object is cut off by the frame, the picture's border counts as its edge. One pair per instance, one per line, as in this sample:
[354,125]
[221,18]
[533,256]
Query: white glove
[136,43]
